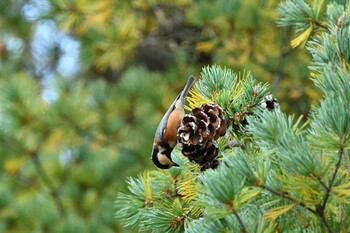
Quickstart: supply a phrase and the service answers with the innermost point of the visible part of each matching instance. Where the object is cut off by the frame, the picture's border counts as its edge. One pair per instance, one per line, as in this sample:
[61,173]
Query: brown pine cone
[198,133]
[269,102]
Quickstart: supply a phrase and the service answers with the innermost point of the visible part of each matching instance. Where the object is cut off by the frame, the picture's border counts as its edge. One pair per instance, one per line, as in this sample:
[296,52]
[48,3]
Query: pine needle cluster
[285,175]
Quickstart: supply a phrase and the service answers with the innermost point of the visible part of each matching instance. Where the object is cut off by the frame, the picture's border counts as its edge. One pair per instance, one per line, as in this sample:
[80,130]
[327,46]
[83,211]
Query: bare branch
[48,183]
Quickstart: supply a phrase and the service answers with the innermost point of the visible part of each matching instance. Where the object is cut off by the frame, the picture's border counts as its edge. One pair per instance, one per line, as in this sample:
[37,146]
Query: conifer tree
[275,173]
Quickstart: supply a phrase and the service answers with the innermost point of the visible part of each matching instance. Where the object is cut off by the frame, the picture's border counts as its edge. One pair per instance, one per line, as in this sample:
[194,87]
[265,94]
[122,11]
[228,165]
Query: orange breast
[174,121]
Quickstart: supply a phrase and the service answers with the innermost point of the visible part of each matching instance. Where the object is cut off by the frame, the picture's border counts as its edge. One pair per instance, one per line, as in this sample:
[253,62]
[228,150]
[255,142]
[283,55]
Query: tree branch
[319,24]
[284,52]
[287,196]
[230,208]
[346,162]
[320,213]
[322,183]
[328,191]
[86,133]
[48,183]
[321,209]
[243,229]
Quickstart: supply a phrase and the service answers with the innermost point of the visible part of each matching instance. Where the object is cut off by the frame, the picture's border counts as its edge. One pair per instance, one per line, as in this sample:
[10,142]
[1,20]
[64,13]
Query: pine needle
[147,185]
[195,99]
[248,194]
[188,188]
[302,38]
[274,213]
[343,189]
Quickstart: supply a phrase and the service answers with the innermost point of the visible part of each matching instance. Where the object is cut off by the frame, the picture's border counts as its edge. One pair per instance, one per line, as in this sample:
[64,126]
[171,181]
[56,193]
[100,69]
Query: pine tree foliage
[60,159]
[285,176]
[303,17]
[65,154]
[185,34]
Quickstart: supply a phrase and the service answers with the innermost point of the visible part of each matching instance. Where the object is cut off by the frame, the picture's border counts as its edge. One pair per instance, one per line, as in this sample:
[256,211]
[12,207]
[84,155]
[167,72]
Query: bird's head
[161,156]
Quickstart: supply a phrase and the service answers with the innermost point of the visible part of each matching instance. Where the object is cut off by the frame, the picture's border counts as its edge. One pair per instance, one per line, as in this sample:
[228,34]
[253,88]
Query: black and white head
[161,156]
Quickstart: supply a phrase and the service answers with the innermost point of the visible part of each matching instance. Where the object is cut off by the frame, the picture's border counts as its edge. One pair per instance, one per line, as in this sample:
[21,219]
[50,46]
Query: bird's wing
[182,96]
[162,125]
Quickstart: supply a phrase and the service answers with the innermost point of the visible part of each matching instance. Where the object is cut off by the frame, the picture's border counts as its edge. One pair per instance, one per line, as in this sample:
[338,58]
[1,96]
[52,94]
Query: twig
[321,209]
[83,132]
[237,143]
[284,51]
[287,196]
[187,213]
[230,208]
[240,222]
[328,191]
[322,183]
[320,213]
[48,183]
[321,25]
[346,162]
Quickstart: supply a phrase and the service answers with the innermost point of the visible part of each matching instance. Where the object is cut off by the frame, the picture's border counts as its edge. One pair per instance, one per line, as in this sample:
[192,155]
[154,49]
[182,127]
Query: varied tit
[166,134]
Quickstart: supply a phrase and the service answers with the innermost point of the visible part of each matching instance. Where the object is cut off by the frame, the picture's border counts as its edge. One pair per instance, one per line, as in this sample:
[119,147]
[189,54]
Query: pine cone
[198,133]
[269,102]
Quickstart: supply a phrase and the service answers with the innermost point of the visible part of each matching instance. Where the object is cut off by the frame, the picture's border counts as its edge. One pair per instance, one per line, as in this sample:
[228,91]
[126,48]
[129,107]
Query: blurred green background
[83,84]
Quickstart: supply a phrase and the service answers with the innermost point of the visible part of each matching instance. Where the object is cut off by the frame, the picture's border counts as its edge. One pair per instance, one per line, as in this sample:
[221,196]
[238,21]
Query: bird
[165,138]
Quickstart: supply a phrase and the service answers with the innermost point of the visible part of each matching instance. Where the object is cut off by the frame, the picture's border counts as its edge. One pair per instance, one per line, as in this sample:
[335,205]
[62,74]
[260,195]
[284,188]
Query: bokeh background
[83,84]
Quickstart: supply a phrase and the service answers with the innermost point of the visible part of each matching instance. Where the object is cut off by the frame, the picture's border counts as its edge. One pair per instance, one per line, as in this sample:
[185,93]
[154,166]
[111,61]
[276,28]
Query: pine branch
[285,195]
[319,24]
[175,193]
[231,209]
[243,229]
[284,52]
[341,151]
[85,132]
[321,214]
[48,183]
[322,183]
[237,143]
[321,209]
[346,162]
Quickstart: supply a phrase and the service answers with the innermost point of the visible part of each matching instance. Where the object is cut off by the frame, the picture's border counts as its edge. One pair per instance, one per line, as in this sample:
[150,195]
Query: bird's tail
[189,84]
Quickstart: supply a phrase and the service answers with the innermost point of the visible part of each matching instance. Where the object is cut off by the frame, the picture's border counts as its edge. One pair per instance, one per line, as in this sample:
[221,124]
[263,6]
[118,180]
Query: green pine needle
[165,216]
[238,161]
[294,13]
[330,128]
[129,214]
[274,131]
